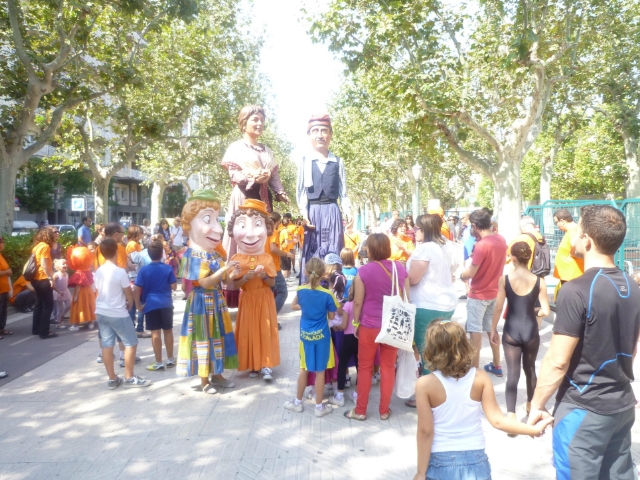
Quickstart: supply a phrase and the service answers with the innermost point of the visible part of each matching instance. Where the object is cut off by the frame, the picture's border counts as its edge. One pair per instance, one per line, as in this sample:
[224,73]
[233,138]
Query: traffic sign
[77,204]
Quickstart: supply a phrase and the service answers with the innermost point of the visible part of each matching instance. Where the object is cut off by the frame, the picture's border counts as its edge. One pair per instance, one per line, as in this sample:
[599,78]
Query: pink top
[377,284]
[61,281]
[348,312]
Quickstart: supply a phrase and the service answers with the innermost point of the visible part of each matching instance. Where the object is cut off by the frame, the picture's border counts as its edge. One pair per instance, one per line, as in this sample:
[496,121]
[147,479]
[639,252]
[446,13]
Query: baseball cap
[332,259]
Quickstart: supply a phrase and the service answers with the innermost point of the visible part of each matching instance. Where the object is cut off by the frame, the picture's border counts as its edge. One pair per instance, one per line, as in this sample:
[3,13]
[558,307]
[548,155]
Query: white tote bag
[398,317]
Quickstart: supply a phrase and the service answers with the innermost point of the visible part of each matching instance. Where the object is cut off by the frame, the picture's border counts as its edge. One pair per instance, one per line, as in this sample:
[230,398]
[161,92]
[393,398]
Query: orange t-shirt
[19,285]
[352,240]
[567,267]
[274,238]
[397,253]
[42,251]
[4,280]
[121,258]
[133,247]
[300,232]
[285,238]
[446,232]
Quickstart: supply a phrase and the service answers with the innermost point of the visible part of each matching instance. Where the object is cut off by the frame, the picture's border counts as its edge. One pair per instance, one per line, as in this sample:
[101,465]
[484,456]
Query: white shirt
[110,280]
[304,180]
[435,290]
[178,239]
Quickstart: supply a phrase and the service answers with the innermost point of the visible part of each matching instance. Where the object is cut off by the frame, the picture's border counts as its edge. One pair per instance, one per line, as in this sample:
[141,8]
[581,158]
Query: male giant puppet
[321,182]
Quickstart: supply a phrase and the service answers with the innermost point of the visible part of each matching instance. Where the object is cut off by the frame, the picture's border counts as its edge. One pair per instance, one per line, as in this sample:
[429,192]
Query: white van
[23,227]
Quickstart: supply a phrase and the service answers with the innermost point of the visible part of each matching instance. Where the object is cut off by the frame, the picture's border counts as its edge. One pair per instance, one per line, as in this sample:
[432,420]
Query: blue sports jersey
[315,304]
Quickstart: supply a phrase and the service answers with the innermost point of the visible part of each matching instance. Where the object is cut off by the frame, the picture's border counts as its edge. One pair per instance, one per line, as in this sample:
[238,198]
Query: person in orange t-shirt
[5,291]
[24,302]
[448,234]
[43,241]
[401,244]
[566,265]
[352,239]
[115,231]
[272,247]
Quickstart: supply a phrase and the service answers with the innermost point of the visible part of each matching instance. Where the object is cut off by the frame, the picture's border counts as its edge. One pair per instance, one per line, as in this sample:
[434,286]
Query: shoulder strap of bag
[533,237]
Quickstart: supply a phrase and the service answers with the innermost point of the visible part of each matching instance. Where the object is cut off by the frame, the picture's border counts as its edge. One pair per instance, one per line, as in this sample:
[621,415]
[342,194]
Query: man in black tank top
[590,359]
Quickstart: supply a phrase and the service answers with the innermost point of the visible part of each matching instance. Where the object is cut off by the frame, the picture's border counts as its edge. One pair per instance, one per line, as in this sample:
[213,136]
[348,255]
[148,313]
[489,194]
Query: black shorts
[160,319]
[285,264]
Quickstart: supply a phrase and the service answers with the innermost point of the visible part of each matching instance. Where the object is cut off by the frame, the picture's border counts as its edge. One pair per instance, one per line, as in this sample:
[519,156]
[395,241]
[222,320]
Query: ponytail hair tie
[313,272]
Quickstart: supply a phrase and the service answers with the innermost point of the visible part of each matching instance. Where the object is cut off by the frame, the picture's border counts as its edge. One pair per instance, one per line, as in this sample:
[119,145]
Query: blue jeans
[281,291]
[132,314]
[112,327]
[467,465]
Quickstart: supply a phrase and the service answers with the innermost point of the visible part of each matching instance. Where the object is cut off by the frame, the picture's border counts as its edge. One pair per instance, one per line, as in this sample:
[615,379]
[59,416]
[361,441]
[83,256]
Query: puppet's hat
[322,119]
[253,204]
[204,195]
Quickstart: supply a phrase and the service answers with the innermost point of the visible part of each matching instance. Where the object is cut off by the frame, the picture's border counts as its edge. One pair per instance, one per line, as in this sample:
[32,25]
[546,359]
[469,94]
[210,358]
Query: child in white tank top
[450,402]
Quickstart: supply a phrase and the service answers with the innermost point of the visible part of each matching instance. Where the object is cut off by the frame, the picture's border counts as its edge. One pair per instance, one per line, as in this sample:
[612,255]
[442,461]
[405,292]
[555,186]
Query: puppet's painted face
[250,233]
[206,232]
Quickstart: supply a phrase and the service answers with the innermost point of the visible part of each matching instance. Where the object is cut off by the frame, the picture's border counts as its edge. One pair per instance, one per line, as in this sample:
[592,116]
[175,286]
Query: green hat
[204,195]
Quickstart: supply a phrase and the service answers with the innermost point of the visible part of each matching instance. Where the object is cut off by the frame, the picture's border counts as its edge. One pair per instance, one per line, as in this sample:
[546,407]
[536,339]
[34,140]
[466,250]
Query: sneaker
[489,368]
[113,384]
[170,363]
[154,367]
[267,373]
[374,380]
[60,326]
[291,405]
[253,374]
[91,326]
[326,410]
[354,397]
[337,402]
[73,328]
[136,381]
[347,383]
[138,360]
[99,359]
[221,382]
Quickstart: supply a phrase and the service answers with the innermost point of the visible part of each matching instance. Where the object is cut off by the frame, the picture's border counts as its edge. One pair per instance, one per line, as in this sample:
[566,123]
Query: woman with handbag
[42,283]
[373,282]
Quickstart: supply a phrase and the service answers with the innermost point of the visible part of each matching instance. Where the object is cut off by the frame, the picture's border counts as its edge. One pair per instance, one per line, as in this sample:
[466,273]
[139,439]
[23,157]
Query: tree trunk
[633,168]
[507,198]
[8,174]
[157,192]
[102,199]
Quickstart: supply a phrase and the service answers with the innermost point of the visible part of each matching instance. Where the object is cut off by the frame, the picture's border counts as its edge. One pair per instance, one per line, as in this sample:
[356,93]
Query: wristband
[355,324]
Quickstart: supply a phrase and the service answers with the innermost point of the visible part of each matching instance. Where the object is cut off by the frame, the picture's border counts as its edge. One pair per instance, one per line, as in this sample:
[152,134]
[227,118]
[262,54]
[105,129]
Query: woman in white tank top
[450,402]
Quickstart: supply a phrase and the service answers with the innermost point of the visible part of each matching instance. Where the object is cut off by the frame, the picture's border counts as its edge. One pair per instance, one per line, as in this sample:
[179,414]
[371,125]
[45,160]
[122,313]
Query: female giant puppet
[257,320]
[321,182]
[253,173]
[207,345]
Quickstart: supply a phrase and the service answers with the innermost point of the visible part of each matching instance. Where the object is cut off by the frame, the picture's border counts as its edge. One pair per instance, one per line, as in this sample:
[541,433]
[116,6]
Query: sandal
[5,332]
[385,416]
[208,388]
[354,416]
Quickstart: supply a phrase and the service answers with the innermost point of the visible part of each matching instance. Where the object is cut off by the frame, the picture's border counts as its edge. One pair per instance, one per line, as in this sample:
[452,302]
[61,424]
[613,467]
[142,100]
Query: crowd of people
[126,284]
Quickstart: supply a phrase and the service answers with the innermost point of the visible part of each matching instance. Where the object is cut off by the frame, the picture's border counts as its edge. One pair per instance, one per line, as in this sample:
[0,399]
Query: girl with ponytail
[318,305]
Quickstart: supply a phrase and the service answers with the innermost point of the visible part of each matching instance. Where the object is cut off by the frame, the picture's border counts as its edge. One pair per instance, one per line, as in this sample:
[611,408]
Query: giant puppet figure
[207,345]
[257,320]
[254,174]
[321,182]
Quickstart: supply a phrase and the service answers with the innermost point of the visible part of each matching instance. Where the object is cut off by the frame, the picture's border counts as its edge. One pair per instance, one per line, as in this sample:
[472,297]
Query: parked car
[64,228]
[23,227]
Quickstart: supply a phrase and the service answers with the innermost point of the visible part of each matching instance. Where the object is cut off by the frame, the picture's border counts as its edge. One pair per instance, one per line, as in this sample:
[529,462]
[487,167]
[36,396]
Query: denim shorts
[479,314]
[468,465]
[122,327]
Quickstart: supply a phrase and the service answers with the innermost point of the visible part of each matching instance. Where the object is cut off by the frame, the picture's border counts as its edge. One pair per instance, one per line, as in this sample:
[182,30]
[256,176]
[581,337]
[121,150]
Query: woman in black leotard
[520,337]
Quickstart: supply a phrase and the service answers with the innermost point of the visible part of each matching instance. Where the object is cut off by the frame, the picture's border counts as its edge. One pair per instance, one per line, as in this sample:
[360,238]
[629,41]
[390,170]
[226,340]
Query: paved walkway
[60,421]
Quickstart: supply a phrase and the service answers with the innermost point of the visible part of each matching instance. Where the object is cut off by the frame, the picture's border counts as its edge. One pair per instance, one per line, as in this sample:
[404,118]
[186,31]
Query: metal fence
[627,258]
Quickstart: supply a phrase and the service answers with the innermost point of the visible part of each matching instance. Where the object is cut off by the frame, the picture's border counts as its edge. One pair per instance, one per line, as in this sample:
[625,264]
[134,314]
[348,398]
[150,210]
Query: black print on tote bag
[400,326]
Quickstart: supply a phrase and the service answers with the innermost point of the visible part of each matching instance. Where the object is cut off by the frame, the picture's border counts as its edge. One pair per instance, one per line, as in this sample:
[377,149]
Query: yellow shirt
[274,238]
[567,267]
[300,232]
[19,285]
[352,240]
[4,280]
[529,241]
[286,240]
[121,258]
[133,247]
[42,252]
[396,252]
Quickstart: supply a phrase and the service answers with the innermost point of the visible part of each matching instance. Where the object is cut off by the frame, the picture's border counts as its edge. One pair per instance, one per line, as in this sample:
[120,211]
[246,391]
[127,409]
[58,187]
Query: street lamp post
[417,173]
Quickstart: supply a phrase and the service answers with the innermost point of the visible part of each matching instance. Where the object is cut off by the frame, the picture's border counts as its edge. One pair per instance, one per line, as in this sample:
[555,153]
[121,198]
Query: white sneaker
[374,380]
[267,373]
[347,384]
[291,405]
[73,328]
[91,326]
[354,397]
[326,410]
[99,359]
[253,374]
[337,402]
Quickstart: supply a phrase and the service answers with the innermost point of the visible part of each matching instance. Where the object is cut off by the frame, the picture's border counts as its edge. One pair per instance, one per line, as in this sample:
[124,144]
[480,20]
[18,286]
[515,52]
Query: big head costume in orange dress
[257,321]
[83,310]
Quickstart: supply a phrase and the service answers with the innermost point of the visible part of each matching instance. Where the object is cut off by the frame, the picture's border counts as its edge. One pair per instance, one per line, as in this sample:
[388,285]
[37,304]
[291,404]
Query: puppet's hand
[260,273]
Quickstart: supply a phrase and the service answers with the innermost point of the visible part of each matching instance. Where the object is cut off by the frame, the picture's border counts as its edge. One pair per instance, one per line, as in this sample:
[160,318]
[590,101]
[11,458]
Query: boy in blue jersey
[318,306]
[154,284]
